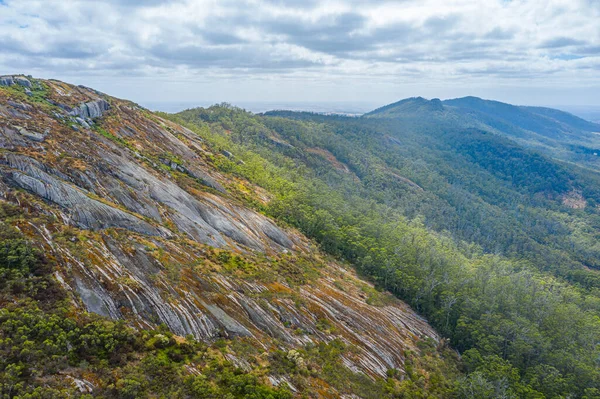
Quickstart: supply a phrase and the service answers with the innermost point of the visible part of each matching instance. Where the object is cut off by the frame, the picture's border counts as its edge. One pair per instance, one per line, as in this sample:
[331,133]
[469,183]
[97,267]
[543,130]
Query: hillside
[492,241]
[109,209]
[426,250]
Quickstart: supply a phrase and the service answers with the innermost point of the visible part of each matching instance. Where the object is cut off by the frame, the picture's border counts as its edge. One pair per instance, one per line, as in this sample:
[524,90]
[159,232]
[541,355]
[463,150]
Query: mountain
[549,131]
[132,220]
[427,249]
[409,106]
[543,121]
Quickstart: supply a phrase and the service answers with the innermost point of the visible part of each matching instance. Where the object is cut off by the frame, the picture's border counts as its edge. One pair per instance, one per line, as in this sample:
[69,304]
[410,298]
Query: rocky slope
[146,229]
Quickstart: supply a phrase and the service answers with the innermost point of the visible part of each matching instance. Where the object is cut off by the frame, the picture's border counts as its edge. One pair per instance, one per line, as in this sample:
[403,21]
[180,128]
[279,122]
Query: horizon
[348,108]
[587,112]
[342,107]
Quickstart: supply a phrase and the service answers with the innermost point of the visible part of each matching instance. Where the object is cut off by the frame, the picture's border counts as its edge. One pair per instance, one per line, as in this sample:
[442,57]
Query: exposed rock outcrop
[6,81]
[86,212]
[144,227]
[91,109]
[12,80]
[127,281]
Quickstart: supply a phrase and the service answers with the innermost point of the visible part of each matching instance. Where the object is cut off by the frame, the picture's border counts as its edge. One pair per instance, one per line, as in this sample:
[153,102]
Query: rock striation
[146,228]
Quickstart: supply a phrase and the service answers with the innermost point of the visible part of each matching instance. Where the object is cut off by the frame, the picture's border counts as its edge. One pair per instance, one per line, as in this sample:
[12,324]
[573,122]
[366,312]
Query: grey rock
[6,81]
[10,139]
[204,178]
[129,198]
[13,112]
[266,227]
[82,122]
[97,299]
[127,132]
[278,142]
[229,324]
[227,154]
[152,300]
[62,106]
[21,106]
[92,109]
[86,212]
[211,220]
[265,321]
[35,136]
[3,189]
[20,80]
[196,173]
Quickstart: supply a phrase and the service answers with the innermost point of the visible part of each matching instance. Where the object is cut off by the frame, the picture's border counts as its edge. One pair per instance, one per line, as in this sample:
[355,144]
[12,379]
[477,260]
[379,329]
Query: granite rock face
[6,81]
[128,281]
[12,80]
[131,187]
[91,109]
[20,80]
[157,236]
[87,213]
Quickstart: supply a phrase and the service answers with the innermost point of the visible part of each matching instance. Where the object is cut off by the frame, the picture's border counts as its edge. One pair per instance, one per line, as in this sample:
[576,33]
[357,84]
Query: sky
[362,53]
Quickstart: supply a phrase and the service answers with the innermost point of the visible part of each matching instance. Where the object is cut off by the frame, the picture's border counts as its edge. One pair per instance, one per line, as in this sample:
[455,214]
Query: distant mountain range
[551,131]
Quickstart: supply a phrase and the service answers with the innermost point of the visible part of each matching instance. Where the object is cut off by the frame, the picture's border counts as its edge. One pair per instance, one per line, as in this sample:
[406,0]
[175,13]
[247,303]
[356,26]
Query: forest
[469,227]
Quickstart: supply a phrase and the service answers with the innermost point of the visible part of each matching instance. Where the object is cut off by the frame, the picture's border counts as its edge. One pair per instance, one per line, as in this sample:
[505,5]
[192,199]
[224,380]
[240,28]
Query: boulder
[82,122]
[92,109]
[35,136]
[6,81]
[21,106]
[20,80]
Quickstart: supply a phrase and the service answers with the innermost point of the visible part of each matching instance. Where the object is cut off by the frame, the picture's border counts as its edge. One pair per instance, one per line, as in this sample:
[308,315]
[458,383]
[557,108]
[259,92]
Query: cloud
[416,40]
[562,42]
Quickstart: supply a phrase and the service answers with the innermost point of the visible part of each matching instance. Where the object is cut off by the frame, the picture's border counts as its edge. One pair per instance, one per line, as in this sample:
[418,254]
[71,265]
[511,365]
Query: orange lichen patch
[323,389]
[279,288]
[91,377]
[248,192]
[179,339]
[67,162]
[322,300]
[331,158]
[261,194]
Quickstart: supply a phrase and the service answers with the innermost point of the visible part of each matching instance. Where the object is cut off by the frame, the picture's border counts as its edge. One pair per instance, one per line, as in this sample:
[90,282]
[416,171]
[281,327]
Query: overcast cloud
[522,51]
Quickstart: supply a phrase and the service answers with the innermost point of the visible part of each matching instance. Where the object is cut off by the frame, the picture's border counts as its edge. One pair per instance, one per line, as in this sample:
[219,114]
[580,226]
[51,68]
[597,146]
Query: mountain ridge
[436,104]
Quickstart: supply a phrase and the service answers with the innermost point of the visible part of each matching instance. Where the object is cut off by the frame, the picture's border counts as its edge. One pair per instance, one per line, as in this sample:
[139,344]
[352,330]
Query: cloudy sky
[365,51]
